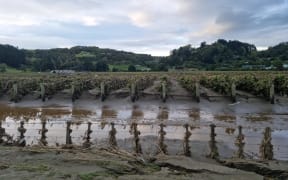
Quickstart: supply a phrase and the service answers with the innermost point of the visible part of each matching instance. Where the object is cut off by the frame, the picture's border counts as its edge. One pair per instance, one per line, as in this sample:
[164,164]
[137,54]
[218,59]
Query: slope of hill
[220,55]
[83,58]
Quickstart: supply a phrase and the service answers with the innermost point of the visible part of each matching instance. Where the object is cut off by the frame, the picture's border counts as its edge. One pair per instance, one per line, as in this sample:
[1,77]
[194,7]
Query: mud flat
[57,163]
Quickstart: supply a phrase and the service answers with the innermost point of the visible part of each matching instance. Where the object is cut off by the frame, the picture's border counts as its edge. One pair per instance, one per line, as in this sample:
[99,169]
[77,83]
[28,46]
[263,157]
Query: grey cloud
[165,23]
[252,20]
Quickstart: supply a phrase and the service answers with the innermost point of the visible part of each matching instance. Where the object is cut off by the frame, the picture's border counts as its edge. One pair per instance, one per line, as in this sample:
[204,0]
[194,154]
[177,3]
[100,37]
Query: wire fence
[224,142]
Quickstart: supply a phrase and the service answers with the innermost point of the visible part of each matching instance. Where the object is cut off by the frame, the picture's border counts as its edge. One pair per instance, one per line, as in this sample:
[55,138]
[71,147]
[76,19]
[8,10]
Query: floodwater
[149,112]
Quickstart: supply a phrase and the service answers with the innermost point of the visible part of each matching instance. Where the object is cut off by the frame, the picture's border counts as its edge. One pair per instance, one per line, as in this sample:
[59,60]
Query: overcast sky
[145,26]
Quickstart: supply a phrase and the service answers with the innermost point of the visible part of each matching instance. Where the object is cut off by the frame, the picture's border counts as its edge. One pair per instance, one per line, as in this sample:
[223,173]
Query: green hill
[220,55]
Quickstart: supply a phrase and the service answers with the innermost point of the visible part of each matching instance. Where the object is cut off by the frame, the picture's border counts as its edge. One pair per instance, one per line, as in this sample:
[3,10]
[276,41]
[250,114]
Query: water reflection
[54,113]
[82,113]
[107,112]
[225,117]
[163,113]
[230,131]
[44,113]
[137,113]
[17,112]
[194,114]
[258,118]
[56,125]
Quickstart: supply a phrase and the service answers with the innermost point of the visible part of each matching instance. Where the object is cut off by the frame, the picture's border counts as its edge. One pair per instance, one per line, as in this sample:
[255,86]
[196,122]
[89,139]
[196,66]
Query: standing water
[148,114]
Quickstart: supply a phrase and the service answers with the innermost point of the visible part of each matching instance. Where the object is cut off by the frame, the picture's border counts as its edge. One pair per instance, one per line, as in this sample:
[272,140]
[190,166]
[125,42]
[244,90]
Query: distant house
[285,66]
[62,71]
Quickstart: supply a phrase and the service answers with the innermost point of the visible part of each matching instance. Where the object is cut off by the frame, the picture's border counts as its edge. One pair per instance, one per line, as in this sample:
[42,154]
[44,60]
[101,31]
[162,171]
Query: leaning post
[21,130]
[187,151]
[2,132]
[87,142]
[212,143]
[68,133]
[266,147]
[240,144]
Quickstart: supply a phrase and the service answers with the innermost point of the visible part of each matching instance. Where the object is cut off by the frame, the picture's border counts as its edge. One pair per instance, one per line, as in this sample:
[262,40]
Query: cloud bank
[153,27]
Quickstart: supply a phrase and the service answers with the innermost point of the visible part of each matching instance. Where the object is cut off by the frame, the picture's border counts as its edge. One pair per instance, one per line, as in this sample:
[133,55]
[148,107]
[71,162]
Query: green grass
[12,70]
[124,67]
[120,67]
[16,72]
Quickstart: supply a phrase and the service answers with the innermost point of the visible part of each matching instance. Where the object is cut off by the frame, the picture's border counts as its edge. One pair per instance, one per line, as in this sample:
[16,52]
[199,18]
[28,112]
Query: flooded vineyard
[194,114]
[162,126]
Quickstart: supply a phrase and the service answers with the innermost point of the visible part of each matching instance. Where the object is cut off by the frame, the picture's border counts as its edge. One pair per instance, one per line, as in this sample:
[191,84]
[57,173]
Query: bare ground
[56,163]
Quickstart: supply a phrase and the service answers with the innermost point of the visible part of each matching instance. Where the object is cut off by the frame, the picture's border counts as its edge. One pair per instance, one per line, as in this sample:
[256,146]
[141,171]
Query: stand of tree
[220,55]
[82,58]
[227,55]
[11,56]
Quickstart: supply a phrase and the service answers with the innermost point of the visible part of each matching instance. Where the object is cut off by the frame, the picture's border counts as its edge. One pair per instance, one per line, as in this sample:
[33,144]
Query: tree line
[227,55]
[220,55]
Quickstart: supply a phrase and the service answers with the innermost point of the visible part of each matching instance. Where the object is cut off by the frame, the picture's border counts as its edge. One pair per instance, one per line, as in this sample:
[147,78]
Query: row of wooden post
[266,147]
[76,92]
[233,93]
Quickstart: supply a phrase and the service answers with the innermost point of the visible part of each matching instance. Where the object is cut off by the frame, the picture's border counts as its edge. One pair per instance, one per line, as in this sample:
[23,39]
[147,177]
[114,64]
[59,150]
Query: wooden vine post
[136,133]
[68,133]
[186,146]
[266,147]
[112,136]
[212,143]
[164,91]
[73,92]
[102,91]
[15,97]
[240,144]
[272,94]
[2,132]
[76,90]
[44,130]
[233,92]
[197,92]
[87,138]
[162,145]
[133,92]
[42,91]
[21,141]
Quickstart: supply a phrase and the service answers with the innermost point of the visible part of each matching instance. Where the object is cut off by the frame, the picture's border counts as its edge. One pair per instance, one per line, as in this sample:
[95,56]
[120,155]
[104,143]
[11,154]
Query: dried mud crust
[57,163]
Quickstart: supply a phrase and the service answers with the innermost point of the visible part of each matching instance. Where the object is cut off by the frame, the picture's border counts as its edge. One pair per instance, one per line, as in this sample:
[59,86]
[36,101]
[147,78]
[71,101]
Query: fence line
[127,123]
[265,146]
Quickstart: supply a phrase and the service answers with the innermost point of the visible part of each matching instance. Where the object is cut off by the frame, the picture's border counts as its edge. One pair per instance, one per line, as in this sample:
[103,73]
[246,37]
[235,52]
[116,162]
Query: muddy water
[149,112]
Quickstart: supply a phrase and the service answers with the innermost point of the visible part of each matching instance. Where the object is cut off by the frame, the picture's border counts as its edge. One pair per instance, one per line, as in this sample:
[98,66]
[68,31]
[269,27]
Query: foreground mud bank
[57,163]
